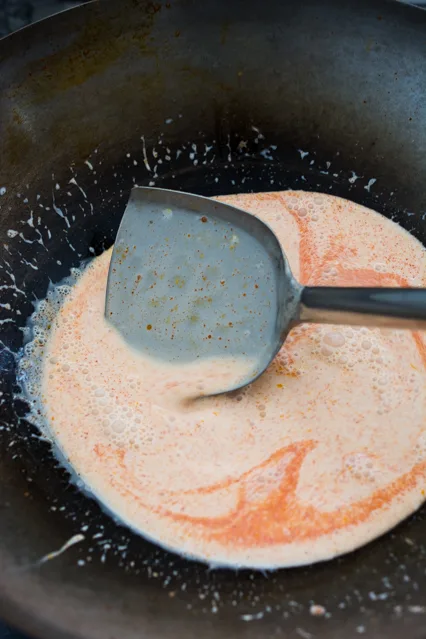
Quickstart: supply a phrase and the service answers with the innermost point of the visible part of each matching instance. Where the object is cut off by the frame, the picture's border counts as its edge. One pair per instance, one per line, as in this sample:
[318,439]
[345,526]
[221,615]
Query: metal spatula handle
[381,307]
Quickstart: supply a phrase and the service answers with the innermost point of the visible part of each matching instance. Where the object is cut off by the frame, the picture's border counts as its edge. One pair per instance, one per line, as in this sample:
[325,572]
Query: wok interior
[100,99]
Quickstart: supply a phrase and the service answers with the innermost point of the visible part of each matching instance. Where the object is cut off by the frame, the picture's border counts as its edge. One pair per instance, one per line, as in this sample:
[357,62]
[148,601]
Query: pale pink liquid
[324,452]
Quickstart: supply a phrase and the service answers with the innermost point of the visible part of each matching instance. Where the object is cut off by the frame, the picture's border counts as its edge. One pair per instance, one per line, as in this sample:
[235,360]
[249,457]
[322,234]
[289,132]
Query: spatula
[193,278]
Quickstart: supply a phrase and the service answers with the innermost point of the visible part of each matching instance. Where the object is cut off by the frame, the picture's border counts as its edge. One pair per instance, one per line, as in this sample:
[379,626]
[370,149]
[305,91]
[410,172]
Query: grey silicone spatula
[194,278]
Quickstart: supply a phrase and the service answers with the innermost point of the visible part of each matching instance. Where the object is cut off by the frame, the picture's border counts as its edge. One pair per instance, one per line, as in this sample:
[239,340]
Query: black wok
[254,85]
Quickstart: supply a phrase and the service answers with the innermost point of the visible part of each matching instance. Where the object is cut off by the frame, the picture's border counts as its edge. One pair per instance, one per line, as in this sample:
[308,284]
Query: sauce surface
[326,451]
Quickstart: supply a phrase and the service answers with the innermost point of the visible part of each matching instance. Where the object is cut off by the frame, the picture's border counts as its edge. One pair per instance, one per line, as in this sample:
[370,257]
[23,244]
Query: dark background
[15,14]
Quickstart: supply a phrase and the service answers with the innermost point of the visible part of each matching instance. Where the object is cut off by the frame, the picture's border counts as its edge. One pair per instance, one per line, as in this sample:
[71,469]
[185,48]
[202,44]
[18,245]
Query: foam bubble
[118,426]
[362,466]
[420,447]
[334,339]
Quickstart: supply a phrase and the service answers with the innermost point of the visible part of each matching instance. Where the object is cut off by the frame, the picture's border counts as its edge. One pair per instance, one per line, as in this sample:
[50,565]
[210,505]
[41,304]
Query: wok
[209,97]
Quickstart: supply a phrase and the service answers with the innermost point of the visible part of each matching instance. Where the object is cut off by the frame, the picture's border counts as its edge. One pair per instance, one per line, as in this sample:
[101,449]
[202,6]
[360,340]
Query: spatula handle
[382,307]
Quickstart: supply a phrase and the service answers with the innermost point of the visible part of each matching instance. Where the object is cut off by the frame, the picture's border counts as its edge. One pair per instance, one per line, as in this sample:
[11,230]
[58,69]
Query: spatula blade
[191,278]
